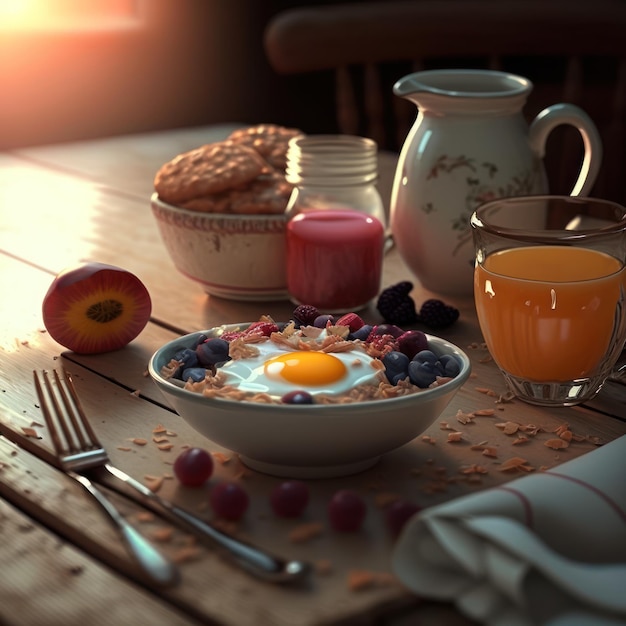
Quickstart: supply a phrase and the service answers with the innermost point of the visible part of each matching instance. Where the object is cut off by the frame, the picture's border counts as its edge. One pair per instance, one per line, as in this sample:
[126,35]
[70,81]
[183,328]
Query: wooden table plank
[70,220]
[129,163]
[40,572]
[126,163]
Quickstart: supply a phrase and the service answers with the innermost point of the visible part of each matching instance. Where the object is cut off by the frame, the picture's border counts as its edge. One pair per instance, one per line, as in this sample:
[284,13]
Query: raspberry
[379,345]
[305,314]
[396,305]
[351,320]
[437,314]
[261,328]
[256,328]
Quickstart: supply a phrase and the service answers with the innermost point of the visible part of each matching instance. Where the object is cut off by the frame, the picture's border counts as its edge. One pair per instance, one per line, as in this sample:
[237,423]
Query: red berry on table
[193,467]
[289,498]
[399,513]
[229,501]
[346,511]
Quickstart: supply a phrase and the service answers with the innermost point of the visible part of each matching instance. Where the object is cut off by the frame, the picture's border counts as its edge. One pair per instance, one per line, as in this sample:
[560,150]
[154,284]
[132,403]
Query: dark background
[194,62]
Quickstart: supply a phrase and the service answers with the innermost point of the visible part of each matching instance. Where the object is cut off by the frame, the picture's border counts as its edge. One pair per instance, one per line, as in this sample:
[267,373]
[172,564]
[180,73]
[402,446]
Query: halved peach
[94,308]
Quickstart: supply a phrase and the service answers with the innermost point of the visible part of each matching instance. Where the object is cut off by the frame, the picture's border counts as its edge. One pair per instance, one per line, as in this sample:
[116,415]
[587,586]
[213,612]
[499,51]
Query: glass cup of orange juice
[549,288]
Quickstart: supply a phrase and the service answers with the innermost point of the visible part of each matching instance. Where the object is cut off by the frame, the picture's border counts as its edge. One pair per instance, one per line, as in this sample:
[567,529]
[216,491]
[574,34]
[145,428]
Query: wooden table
[61,561]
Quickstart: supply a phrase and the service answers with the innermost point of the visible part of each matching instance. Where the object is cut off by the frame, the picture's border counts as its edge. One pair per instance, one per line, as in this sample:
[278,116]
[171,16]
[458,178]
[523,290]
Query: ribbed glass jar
[334,172]
[336,227]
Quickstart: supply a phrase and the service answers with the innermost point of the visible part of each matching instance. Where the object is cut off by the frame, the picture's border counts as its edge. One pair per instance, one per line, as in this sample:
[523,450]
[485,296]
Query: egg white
[249,374]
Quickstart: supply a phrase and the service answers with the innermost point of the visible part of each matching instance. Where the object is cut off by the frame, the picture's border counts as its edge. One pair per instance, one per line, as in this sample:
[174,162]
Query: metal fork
[90,459]
[75,457]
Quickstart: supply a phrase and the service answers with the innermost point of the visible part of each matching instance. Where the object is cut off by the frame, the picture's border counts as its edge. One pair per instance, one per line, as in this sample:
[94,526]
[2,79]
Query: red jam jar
[334,259]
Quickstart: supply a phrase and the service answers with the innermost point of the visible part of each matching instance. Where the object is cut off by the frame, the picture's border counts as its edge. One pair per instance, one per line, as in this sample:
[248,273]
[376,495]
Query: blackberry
[305,314]
[396,305]
[437,314]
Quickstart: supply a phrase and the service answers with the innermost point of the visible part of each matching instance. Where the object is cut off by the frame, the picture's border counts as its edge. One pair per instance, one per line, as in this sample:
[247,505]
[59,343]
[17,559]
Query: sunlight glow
[35,205]
[67,15]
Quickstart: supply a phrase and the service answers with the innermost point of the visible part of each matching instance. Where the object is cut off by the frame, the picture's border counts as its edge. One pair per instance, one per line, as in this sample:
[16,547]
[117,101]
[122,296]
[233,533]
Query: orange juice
[550,312]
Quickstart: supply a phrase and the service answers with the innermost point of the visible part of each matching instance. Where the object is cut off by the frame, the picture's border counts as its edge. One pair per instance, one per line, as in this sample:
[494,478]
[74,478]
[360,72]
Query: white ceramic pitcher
[470,144]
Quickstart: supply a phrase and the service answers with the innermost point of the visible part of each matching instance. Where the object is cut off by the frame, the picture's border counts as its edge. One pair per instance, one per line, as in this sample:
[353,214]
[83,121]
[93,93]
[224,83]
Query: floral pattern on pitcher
[479,191]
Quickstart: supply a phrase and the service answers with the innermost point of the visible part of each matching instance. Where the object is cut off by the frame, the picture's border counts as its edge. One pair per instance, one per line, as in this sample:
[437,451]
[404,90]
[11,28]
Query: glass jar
[336,228]
[334,172]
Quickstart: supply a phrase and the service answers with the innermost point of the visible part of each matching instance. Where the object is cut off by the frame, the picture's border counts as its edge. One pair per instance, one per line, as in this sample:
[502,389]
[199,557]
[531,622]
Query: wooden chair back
[572,51]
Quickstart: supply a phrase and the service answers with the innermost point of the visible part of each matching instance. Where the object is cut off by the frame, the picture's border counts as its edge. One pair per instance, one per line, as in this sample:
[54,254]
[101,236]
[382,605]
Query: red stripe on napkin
[614,505]
[528,507]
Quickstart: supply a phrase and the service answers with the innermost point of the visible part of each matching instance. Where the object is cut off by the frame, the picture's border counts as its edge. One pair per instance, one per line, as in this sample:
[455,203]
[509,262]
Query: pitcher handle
[558,114]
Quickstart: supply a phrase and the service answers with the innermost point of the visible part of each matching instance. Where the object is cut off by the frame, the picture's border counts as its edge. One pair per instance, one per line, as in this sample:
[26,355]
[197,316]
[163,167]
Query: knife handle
[254,560]
[154,565]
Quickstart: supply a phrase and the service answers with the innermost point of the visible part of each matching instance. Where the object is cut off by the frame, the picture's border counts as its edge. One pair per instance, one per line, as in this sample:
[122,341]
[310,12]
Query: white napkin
[549,548]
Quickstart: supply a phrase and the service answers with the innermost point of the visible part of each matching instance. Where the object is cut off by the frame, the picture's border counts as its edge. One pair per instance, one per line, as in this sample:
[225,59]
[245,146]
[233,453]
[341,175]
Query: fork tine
[60,415]
[71,411]
[93,438]
[45,409]
[93,463]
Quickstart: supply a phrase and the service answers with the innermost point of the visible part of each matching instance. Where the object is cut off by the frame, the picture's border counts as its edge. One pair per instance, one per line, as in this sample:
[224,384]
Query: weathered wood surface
[50,219]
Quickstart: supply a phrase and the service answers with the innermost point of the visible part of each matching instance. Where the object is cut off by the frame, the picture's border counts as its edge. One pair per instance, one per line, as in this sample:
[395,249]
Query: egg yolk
[306,368]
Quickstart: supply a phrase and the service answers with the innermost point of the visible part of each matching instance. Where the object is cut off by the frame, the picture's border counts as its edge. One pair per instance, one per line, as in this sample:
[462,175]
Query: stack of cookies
[245,174]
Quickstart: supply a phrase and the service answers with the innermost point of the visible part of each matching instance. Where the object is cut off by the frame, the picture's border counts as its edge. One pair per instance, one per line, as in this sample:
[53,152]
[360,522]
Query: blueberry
[450,365]
[297,397]
[187,357]
[426,356]
[422,373]
[201,339]
[362,334]
[322,320]
[213,352]
[396,366]
[197,374]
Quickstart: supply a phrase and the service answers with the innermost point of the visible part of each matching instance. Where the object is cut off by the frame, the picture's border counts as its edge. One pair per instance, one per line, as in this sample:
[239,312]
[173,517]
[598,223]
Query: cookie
[207,170]
[269,140]
[267,194]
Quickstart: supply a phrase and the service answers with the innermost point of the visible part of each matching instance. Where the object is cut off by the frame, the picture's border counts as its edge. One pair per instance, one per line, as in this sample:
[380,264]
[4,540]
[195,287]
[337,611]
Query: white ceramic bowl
[239,257]
[307,441]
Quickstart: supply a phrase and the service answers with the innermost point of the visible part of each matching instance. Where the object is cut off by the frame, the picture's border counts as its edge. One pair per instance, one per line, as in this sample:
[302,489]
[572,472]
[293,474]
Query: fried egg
[277,372]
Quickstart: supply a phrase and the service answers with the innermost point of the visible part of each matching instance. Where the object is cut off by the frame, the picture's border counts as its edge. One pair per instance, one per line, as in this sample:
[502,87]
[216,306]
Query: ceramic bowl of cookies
[220,210]
[302,402]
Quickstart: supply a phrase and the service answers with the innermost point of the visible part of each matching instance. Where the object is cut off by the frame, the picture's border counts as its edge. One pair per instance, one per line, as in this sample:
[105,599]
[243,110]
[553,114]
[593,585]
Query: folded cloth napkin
[549,548]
